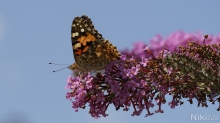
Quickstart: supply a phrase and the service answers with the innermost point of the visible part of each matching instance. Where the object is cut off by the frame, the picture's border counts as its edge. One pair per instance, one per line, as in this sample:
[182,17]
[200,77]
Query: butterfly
[91,51]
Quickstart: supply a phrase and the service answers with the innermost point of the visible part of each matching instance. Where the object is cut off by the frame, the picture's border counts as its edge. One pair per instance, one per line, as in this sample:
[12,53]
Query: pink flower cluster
[172,42]
[143,81]
[119,85]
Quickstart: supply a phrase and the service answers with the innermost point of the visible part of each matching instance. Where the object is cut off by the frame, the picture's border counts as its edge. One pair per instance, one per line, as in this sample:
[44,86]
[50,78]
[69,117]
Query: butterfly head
[77,69]
[74,67]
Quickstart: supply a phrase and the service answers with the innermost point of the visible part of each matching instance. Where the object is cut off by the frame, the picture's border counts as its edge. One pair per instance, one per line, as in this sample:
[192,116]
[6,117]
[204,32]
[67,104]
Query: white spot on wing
[82,30]
[77,45]
[73,35]
[76,33]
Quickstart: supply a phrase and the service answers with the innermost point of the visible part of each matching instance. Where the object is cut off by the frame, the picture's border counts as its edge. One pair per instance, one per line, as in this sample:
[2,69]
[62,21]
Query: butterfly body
[91,51]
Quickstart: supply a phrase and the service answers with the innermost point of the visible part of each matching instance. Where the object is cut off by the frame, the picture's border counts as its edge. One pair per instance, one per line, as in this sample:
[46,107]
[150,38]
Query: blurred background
[33,33]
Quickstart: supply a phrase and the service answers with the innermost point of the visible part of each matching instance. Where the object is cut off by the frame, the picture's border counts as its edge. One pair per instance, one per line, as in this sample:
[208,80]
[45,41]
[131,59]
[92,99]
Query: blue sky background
[32,33]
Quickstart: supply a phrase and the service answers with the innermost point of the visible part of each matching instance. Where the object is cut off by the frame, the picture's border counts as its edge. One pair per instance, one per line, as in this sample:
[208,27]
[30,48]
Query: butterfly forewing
[91,51]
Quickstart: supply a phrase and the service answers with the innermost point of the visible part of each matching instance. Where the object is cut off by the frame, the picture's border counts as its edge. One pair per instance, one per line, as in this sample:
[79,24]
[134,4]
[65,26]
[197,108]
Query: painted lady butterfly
[91,51]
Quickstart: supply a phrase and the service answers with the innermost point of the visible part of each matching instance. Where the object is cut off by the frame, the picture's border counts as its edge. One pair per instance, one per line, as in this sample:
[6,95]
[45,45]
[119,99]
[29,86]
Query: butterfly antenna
[59,64]
[59,69]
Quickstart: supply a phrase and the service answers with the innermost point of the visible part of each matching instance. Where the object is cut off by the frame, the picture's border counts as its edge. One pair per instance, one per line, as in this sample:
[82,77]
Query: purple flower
[123,57]
[172,104]
[101,96]
[142,78]
[133,71]
[171,42]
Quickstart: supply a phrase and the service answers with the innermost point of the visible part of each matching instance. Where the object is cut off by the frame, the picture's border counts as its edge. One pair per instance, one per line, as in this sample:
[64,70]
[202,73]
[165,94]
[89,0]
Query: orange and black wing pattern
[83,34]
[91,51]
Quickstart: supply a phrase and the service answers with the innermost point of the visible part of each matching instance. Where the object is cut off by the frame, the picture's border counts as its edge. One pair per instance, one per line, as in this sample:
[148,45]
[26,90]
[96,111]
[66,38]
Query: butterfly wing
[91,51]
